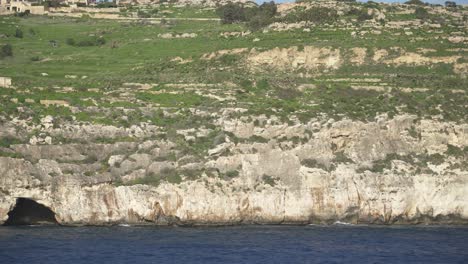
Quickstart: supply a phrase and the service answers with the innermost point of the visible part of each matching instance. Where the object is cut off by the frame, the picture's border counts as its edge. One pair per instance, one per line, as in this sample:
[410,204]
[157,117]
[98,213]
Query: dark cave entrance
[30,212]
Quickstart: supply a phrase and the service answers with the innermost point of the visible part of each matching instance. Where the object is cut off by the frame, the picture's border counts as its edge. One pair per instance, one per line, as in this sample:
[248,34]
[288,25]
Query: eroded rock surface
[317,172]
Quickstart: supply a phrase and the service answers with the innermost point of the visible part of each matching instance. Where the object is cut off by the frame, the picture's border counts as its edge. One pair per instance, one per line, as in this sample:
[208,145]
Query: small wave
[342,223]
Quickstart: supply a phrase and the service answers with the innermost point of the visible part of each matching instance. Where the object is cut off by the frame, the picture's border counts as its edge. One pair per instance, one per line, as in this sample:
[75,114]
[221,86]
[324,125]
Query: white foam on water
[342,223]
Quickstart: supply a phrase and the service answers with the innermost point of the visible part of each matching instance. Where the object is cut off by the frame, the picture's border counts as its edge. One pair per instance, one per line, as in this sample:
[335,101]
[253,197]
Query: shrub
[259,21]
[95,41]
[22,14]
[421,13]
[174,179]
[7,141]
[269,180]
[363,15]
[262,16]
[232,173]
[310,163]
[256,17]
[70,41]
[455,151]
[52,3]
[6,51]
[321,15]
[317,15]
[18,33]
[148,13]
[106,5]
[231,13]
[450,4]
[100,41]
[143,14]
[414,2]
[263,84]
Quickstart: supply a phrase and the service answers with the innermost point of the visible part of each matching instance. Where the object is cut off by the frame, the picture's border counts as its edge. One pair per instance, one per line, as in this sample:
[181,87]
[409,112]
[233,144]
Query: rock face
[398,170]
[315,59]
[309,58]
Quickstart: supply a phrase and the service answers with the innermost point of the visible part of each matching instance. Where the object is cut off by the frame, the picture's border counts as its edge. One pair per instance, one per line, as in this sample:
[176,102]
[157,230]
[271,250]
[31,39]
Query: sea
[339,243]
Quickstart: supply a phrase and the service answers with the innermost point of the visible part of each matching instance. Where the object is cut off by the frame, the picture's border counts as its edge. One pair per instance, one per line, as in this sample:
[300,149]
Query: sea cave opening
[30,212]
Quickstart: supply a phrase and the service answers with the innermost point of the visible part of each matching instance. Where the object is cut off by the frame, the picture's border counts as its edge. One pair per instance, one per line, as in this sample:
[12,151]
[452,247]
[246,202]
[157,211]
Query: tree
[258,21]
[256,16]
[415,2]
[261,16]
[450,4]
[268,9]
[231,13]
[6,51]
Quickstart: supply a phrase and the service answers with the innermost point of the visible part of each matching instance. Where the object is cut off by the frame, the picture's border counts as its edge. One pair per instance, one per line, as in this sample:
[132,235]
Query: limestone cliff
[399,170]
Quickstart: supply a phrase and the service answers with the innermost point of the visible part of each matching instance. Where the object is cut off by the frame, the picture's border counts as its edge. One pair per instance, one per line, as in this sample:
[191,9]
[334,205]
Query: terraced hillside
[322,111]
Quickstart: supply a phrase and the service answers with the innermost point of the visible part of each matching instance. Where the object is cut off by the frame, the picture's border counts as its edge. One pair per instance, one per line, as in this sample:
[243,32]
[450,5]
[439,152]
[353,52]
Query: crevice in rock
[30,212]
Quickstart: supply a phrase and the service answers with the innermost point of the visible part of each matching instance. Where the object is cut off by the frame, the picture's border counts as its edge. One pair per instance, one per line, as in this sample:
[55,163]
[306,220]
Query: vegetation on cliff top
[356,61]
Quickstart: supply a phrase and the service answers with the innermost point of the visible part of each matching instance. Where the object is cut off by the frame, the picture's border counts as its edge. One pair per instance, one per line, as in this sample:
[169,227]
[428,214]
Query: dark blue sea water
[240,244]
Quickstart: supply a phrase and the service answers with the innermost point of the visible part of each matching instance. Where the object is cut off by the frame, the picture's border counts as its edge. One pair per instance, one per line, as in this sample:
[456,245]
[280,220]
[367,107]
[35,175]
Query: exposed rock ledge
[302,194]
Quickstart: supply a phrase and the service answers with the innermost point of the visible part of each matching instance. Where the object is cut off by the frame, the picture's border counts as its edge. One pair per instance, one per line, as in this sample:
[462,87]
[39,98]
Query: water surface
[239,244]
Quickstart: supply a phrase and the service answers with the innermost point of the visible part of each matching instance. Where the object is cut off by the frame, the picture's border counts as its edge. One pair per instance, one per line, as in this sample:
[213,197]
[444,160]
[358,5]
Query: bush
[262,16]
[414,2]
[232,173]
[363,15]
[143,14]
[147,14]
[95,41]
[421,13]
[18,33]
[269,180]
[106,5]
[6,51]
[52,3]
[231,13]
[70,41]
[268,9]
[257,22]
[257,17]
[262,84]
[450,4]
[22,14]
[317,15]
[321,15]
[7,141]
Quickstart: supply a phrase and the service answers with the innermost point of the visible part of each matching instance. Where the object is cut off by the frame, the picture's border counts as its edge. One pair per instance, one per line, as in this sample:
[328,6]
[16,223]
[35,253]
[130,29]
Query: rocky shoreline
[341,172]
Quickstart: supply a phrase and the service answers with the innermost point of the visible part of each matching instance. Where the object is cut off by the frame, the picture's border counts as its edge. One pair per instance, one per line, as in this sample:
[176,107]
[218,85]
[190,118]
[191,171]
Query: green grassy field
[135,52]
